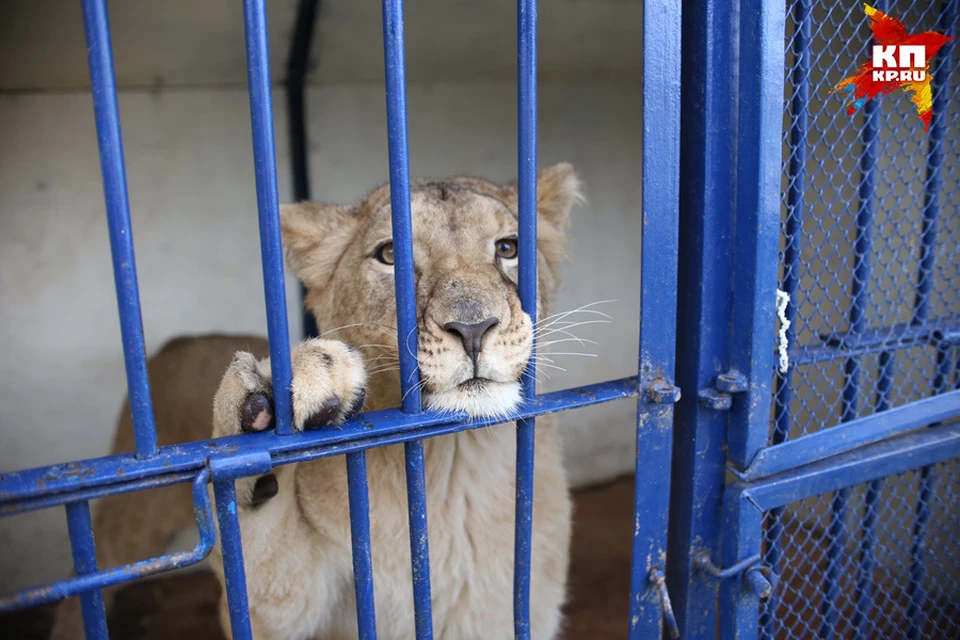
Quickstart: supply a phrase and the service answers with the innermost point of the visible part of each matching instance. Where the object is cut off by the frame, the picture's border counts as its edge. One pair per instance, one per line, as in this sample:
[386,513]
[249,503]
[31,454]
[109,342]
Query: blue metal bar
[111,474]
[756,233]
[915,590]
[660,204]
[793,229]
[232,547]
[889,457]
[524,529]
[862,619]
[360,534]
[406,292]
[80,529]
[527,251]
[100,58]
[105,578]
[707,160]
[843,344]
[928,239]
[853,434]
[742,533]
[419,545]
[834,557]
[268,206]
[863,246]
[396,86]
[45,501]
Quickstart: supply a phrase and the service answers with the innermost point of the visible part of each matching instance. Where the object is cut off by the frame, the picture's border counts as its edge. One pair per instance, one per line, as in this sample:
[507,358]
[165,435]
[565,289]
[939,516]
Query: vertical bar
[360,535]
[231,547]
[527,248]
[84,551]
[863,246]
[834,556]
[866,203]
[862,620]
[406,293]
[658,308]
[100,59]
[419,546]
[915,590]
[756,232]
[396,86]
[797,172]
[297,121]
[707,154]
[742,531]
[947,25]
[268,206]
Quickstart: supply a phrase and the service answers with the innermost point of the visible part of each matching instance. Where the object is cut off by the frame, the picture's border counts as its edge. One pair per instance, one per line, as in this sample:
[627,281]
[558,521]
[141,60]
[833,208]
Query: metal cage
[813,496]
[221,462]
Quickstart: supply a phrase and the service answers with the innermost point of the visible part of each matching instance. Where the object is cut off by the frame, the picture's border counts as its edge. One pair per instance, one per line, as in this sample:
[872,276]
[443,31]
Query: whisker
[545,331]
[546,364]
[583,309]
[573,339]
[573,353]
[357,324]
[540,327]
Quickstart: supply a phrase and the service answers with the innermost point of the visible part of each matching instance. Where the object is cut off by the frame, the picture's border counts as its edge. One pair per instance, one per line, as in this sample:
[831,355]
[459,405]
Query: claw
[357,405]
[265,488]
[324,416]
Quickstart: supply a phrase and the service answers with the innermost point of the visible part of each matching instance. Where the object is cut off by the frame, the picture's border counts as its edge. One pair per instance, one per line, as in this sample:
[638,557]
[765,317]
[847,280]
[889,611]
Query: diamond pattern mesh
[888,551]
[903,346]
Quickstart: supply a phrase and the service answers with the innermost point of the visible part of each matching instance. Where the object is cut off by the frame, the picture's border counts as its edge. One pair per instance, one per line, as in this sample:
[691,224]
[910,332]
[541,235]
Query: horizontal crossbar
[49,486]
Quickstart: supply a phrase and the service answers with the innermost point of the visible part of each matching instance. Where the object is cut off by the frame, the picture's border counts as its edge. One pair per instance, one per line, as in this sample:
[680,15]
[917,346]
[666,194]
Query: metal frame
[774,470]
[224,460]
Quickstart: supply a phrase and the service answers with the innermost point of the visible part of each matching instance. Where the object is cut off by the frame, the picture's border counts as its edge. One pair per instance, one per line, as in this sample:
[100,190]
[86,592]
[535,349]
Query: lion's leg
[282,559]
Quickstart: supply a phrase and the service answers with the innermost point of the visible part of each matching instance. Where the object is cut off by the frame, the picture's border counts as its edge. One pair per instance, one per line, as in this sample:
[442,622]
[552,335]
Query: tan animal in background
[474,344]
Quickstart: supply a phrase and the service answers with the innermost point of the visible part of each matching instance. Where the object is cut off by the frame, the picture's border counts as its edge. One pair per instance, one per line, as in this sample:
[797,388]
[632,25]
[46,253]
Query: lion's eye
[384,253]
[507,248]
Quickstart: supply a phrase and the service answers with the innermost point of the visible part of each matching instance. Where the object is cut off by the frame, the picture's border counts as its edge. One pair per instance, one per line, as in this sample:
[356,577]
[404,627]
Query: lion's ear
[315,235]
[558,189]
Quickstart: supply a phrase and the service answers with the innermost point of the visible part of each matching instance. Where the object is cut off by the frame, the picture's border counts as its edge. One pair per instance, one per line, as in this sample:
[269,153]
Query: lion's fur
[297,545]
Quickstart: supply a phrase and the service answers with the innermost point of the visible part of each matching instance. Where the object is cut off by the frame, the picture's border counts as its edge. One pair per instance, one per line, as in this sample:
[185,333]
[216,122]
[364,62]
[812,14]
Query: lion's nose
[472,335]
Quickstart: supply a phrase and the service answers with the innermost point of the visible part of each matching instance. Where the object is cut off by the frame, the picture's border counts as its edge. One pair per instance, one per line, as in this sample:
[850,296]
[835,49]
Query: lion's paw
[328,388]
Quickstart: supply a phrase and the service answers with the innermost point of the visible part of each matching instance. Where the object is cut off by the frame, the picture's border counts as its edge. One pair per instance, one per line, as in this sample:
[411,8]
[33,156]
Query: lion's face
[474,338]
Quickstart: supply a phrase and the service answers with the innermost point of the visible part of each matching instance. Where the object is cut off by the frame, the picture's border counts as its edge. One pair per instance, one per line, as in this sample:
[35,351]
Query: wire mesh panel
[897,573]
[870,239]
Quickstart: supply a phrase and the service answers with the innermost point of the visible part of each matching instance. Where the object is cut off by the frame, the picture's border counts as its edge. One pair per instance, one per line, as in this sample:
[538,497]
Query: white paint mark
[783,299]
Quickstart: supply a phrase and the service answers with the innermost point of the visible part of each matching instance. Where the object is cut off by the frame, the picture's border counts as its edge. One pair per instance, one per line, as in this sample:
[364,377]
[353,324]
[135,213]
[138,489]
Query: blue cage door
[839,378]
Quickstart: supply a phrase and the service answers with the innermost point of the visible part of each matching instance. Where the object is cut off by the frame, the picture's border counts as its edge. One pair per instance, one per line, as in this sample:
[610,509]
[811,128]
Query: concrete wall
[193,203]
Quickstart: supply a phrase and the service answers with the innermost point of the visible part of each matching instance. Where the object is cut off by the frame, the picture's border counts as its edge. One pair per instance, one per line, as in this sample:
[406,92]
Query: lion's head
[474,338]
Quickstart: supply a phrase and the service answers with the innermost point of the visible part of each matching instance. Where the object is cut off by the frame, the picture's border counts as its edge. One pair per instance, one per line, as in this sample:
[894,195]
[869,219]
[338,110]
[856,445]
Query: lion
[474,345]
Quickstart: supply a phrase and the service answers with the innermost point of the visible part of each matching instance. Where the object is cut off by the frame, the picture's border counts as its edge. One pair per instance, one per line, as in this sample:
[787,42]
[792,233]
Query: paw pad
[256,413]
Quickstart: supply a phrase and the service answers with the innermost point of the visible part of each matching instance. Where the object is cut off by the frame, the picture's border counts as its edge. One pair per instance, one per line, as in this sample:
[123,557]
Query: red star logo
[899,60]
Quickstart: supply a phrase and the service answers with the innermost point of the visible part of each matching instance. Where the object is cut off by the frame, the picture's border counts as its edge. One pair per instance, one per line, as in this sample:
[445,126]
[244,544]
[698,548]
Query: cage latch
[719,397]
[663,392]
[758,577]
[658,580]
